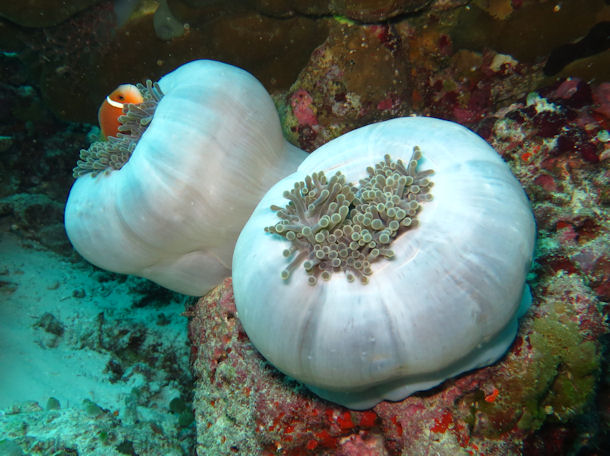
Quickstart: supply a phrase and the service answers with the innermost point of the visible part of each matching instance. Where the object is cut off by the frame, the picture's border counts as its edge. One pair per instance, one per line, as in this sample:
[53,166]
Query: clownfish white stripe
[116,104]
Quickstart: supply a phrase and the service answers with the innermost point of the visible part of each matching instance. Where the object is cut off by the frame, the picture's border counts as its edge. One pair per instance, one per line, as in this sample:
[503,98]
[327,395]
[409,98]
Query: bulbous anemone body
[174,211]
[447,302]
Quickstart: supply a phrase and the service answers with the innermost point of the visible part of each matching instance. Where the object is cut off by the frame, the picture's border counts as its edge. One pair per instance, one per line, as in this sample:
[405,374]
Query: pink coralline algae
[368,73]
[302,108]
[335,90]
[528,403]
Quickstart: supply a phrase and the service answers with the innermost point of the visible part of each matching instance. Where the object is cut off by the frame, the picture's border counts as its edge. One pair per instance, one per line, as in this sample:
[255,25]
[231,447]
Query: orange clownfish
[112,108]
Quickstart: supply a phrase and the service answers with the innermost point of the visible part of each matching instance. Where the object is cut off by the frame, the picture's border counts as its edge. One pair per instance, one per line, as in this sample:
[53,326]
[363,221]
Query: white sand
[35,364]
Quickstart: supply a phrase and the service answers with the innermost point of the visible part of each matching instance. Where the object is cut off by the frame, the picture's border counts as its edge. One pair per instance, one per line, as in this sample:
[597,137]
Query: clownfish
[112,108]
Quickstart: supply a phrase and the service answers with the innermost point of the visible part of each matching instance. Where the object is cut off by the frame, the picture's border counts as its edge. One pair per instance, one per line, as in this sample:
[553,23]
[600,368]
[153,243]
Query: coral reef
[440,62]
[359,10]
[547,378]
[557,143]
[546,381]
[334,94]
[417,71]
[538,399]
[474,62]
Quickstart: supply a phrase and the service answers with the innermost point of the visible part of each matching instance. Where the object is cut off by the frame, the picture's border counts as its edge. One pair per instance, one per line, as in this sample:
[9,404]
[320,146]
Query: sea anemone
[394,258]
[167,198]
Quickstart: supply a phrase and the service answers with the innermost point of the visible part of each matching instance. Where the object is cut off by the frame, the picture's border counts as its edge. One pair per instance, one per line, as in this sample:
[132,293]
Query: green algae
[552,380]
[564,374]
[575,365]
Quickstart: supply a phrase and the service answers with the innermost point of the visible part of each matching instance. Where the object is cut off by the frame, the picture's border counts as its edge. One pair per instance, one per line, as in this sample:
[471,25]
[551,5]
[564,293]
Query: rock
[542,25]
[359,10]
[89,56]
[42,13]
[334,92]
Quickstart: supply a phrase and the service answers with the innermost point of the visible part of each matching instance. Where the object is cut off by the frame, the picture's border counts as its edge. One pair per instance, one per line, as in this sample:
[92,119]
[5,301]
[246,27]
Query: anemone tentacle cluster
[334,226]
[106,156]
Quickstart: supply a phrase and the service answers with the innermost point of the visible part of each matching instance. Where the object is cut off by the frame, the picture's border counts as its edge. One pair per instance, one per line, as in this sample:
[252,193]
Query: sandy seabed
[102,345]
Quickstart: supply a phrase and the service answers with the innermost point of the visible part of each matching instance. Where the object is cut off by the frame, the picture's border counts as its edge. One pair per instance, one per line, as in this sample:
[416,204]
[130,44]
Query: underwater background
[98,363]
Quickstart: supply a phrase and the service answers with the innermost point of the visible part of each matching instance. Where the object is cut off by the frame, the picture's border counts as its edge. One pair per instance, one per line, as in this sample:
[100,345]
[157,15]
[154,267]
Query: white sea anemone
[372,284]
[187,180]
